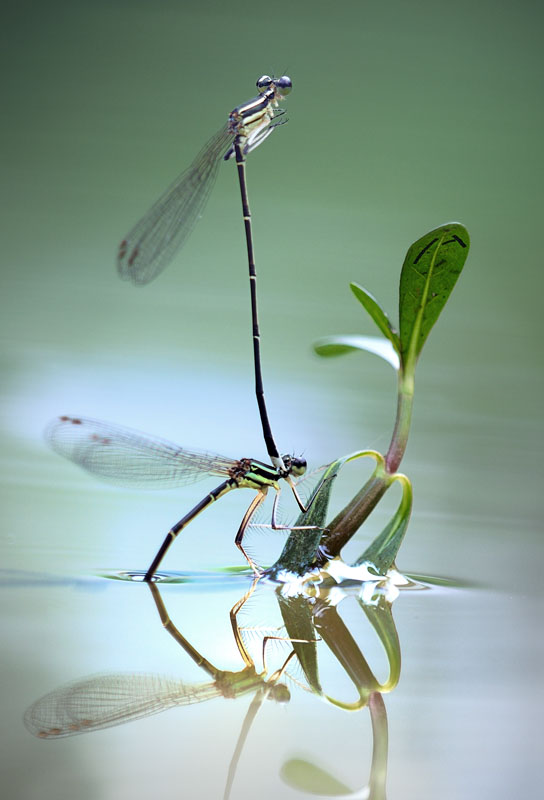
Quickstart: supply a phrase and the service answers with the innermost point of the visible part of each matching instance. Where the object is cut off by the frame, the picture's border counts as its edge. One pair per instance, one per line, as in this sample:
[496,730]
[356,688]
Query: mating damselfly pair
[130,458]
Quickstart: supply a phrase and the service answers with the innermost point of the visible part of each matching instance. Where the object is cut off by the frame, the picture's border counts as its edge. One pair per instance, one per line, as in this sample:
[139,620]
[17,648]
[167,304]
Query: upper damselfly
[128,458]
[154,240]
[161,232]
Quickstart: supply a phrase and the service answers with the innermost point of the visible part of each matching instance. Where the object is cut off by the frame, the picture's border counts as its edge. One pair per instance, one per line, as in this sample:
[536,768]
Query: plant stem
[350,519]
[405,401]
[380,735]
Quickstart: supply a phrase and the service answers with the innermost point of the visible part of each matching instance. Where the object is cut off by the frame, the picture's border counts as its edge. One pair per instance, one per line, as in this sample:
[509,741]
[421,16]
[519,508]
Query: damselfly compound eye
[264,82]
[279,693]
[297,466]
[284,84]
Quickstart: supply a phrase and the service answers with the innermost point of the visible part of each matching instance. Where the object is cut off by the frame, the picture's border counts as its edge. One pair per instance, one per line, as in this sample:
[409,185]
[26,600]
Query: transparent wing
[129,458]
[106,700]
[153,241]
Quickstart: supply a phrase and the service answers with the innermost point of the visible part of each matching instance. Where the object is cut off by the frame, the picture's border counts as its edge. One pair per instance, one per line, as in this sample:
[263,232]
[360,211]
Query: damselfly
[161,232]
[154,240]
[129,458]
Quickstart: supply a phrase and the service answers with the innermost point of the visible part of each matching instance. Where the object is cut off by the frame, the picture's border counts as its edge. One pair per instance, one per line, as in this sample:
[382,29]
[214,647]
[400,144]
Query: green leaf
[297,616]
[377,313]
[299,553]
[383,550]
[429,273]
[345,343]
[300,548]
[306,777]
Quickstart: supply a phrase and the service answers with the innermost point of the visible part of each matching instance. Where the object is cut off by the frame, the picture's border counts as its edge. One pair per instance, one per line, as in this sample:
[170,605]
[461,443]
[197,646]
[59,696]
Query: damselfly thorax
[253,121]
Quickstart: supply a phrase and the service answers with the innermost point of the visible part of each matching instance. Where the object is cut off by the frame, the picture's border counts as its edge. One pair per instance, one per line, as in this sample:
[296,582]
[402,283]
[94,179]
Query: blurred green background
[403,116]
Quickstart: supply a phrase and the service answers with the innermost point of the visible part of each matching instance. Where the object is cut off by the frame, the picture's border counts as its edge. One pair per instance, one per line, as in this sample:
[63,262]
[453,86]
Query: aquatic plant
[429,273]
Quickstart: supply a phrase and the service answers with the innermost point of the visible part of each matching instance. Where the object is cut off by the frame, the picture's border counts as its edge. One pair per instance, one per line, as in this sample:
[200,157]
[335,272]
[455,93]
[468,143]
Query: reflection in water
[312,779]
[323,618]
[112,699]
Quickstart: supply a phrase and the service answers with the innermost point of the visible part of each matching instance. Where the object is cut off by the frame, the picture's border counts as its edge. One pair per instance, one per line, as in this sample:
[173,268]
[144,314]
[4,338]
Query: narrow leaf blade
[371,305]
[297,616]
[429,273]
[338,345]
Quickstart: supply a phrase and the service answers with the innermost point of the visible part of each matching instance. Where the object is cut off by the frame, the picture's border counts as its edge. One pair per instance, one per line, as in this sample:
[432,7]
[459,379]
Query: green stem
[349,520]
[378,770]
[405,402]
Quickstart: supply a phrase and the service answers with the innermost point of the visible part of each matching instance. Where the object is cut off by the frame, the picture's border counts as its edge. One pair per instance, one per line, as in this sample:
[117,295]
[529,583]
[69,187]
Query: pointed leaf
[297,616]
[345,343]
[300,548]
[430,270]
[377,313]
[306,777]
[383,550]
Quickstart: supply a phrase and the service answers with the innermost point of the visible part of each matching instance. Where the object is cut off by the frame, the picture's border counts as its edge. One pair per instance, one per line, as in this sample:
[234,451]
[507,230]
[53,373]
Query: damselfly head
[283,84]
[296,466]
[279,693]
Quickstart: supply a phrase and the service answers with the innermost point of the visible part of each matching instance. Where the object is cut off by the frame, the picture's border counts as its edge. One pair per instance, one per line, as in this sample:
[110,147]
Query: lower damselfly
[128,458]
[162,231]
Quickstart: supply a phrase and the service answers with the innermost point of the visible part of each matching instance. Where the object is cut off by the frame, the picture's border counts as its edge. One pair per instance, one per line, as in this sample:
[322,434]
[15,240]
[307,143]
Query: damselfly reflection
[105,700]
[129,458]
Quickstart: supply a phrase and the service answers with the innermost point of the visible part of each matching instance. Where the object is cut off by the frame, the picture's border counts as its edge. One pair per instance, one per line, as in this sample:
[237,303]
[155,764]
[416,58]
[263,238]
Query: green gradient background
[402,116]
